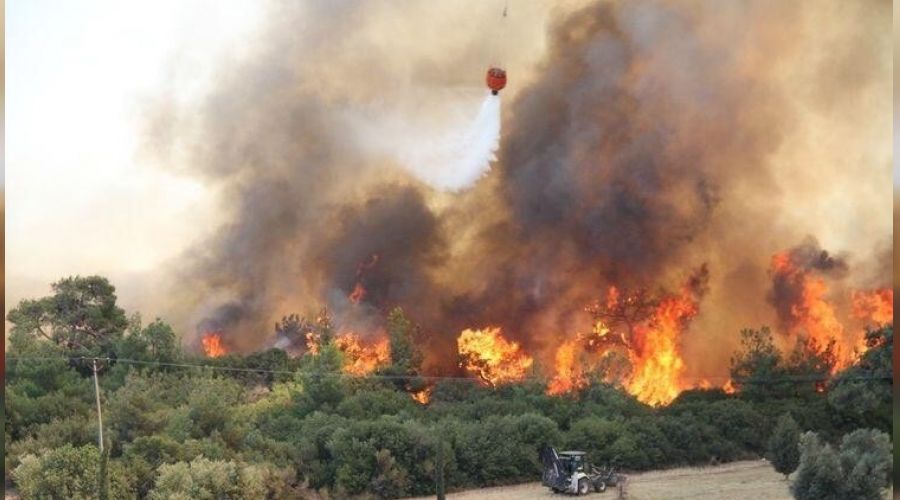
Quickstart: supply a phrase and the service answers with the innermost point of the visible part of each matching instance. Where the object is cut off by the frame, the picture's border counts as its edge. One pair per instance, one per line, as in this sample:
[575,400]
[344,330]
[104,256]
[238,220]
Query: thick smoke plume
[641,140]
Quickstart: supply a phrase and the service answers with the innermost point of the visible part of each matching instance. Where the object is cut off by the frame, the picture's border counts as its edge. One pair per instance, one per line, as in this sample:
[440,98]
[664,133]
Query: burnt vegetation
[278,425]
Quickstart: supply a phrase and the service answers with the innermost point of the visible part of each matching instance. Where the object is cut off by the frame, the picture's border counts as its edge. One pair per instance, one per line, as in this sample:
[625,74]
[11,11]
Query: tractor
[569,472]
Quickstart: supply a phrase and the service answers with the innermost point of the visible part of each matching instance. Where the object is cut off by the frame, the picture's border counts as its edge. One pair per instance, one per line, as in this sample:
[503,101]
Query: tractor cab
[572,461]
[569,472]
[564,472]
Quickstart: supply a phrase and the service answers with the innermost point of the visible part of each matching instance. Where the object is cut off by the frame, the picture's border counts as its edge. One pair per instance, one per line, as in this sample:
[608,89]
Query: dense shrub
[65,472]
[188,432]
[784,450]
[859,470]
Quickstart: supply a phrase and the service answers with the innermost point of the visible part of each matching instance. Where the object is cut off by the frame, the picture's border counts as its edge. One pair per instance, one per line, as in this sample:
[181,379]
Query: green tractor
[569,472]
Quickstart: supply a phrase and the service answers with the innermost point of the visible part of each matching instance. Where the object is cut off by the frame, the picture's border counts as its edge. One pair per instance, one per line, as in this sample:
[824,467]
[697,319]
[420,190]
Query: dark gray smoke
[639,147]
[788,282]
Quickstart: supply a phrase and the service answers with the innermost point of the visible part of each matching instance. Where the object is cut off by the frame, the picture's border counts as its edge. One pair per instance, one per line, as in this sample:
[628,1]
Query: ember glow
[492,358]
[212,345]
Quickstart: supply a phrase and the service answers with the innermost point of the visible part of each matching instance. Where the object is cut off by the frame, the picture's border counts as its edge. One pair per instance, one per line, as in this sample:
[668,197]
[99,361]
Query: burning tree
[361,356]
[646,328]
[760,370]
[628,309]
[492,358]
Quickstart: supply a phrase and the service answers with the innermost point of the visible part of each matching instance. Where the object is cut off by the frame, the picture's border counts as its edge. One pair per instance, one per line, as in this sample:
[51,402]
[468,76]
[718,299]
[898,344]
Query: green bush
[202,478]
[859,470]
[65,472]
[784,450]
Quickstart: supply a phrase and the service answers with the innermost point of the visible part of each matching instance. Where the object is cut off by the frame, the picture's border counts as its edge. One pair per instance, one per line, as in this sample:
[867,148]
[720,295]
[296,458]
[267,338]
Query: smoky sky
[805,259]
[639,148]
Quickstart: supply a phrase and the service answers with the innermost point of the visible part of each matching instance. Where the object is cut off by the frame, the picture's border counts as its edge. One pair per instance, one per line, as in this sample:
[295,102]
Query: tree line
[292,427]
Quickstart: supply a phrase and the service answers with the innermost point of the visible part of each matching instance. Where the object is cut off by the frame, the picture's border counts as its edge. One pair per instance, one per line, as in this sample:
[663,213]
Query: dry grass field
[735,481]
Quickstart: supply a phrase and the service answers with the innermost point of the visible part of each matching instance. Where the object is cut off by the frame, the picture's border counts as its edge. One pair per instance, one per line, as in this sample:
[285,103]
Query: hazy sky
[79,200]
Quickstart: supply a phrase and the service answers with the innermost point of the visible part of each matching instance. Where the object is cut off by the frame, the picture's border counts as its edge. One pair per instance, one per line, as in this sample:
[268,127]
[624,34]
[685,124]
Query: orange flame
[650,340]
[360,358]
[571,367]
[729,387]
[422,397]
[492,358]
[569,375]
[875,305]
[814,316]
[212,345]
[657,355]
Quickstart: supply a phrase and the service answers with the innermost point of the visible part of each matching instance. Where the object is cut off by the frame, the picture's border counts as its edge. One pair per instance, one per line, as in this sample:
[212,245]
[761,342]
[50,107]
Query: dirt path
[735,481]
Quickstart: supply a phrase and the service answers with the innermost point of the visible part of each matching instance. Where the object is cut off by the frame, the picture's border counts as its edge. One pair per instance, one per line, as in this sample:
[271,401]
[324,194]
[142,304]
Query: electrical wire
[749,381]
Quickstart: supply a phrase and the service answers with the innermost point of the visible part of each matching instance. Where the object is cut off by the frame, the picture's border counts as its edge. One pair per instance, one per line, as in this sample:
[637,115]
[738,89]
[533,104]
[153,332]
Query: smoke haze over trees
[644,141]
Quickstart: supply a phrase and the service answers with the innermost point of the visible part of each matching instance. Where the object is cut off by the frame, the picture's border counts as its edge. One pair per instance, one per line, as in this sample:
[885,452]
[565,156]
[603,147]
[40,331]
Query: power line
[241,369]
[748,380]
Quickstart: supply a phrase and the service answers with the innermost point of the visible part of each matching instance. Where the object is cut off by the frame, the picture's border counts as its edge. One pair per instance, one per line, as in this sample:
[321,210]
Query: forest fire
[641,329]
[422,397]
[636,339]
[658,365]
[729,387]
[811,313]
[361,358]
[807,308]
[874,305]
[212,345]
[653,189]
[492,358]
[569,374]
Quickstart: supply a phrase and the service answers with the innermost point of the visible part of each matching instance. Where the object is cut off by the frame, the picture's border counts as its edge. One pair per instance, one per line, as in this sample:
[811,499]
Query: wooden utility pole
[99,413]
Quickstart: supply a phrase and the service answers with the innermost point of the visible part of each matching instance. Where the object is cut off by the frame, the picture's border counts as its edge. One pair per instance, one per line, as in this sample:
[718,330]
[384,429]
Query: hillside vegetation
[268,425]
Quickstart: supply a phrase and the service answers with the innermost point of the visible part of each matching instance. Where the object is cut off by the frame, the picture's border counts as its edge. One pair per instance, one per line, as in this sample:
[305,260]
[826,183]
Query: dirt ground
[735,481]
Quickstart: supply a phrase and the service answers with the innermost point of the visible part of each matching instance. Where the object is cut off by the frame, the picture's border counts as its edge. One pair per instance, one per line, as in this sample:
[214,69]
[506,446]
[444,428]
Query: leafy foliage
[860,469]
[784,451]
[81,317]
[65,472]
[862,395]
[293,425]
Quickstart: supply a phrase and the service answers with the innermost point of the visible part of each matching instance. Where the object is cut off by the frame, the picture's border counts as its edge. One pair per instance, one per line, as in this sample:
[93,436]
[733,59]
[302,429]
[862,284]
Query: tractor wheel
[584,486]
[600,486]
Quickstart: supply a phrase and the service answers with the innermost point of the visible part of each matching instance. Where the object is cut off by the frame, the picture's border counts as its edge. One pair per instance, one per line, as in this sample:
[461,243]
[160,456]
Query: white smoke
[447,142]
